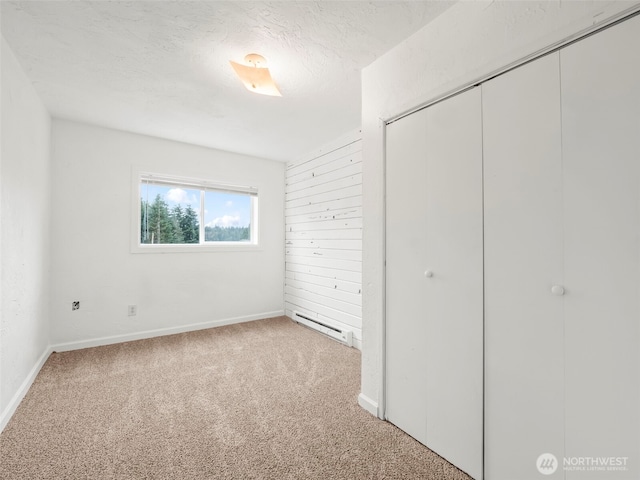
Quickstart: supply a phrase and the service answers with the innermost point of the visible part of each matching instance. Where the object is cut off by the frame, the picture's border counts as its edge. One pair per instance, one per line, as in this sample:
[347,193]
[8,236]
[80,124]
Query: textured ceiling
[162,68]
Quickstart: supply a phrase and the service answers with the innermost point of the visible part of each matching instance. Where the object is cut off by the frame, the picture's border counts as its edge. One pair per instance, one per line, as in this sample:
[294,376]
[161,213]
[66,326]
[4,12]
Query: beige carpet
[262,400]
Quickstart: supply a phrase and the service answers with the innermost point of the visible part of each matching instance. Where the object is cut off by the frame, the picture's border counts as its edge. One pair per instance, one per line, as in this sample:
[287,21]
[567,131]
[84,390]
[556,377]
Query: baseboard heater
[344,336]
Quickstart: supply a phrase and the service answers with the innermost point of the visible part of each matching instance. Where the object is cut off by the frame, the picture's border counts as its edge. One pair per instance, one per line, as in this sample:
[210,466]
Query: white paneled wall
[323,218]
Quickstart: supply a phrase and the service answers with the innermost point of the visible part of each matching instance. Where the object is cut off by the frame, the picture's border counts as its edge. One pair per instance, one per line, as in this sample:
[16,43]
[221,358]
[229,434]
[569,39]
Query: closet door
[406,300]
[601,157]
[454,343]
[434,278]
[524,331]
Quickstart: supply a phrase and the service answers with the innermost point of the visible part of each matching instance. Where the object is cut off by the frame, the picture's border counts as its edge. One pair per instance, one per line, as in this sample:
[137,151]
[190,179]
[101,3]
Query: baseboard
[97,342]
[357,332]
[368,404]
[8,412]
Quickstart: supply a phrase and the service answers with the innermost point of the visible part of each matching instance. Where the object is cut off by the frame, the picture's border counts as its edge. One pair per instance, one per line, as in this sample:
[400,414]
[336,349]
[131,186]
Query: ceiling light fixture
[255,75]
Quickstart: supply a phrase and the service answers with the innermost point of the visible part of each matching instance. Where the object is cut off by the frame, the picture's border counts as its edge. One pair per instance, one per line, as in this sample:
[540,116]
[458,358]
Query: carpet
[267,399]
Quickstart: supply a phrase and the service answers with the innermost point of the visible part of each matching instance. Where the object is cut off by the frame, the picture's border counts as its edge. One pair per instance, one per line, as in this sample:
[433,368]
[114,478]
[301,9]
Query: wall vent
[344,336]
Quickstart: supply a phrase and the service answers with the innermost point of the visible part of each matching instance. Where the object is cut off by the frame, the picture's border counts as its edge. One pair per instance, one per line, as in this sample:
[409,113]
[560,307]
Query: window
[194,213]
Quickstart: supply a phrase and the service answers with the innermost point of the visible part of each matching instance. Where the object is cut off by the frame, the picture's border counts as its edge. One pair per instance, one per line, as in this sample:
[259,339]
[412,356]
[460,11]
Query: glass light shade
[256,79]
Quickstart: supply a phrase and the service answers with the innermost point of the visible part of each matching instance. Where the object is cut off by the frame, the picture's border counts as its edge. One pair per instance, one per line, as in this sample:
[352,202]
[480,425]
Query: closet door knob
[557,290]
[428,273]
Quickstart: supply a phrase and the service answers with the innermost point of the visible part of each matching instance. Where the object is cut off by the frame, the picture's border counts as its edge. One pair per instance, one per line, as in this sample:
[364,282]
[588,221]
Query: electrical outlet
[75,306]
[132,310]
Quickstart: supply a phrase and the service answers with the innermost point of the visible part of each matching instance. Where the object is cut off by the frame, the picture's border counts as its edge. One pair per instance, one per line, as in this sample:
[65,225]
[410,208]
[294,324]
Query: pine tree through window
[192,212]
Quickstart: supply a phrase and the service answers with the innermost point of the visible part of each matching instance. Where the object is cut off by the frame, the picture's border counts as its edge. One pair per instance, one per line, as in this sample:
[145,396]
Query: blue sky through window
[220,209]
[226,209]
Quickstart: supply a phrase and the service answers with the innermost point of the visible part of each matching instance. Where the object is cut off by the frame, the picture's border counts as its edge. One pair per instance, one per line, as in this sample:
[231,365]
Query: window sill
[195,248]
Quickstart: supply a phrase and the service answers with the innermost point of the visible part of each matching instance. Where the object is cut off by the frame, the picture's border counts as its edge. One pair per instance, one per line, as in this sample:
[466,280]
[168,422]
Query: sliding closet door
[454,340]
[601,157]
[406,300]
[524,331]
[434,278]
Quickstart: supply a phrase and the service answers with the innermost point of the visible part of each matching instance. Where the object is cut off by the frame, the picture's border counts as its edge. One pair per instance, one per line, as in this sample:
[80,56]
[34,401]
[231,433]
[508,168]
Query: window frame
[139,176]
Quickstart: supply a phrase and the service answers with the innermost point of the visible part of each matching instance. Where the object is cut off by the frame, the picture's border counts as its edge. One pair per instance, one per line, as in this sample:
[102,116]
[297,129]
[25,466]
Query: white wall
[91,236]
[468,42]
[24,239]
[323,220]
